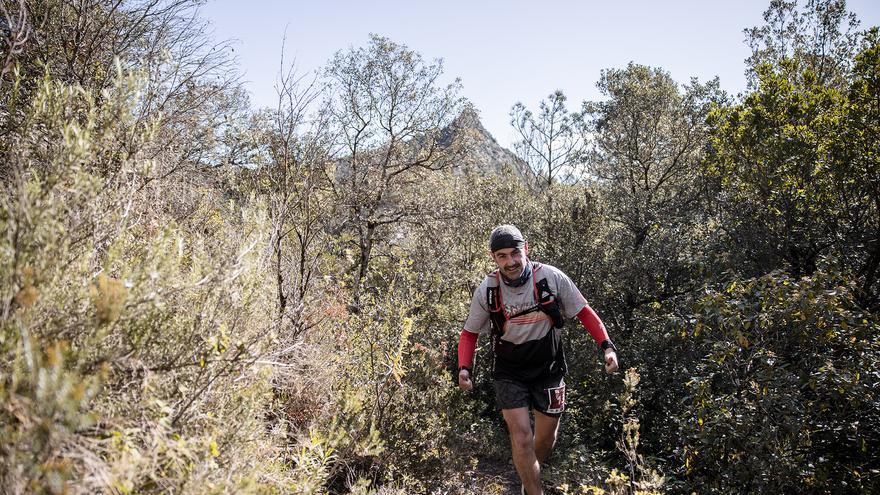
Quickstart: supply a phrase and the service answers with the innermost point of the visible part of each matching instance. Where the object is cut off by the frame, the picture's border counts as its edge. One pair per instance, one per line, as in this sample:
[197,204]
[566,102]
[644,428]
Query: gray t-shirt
[524,347]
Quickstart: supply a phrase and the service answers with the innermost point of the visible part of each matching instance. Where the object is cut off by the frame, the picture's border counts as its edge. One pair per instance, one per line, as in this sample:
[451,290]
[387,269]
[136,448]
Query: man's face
[510,261]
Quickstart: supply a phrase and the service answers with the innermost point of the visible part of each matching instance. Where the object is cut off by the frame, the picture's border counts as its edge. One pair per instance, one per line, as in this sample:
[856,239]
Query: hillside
[484,155]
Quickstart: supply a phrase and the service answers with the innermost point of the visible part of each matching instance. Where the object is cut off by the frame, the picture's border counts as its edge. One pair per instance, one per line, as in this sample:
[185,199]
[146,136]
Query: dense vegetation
[201,297]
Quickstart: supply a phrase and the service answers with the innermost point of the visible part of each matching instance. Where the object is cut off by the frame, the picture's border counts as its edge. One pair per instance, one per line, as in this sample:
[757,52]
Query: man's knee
[522,440]
[543,447]
[546,439]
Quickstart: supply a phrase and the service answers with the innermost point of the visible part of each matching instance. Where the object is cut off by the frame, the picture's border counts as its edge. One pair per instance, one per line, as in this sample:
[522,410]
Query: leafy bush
[784,398]
[129,337]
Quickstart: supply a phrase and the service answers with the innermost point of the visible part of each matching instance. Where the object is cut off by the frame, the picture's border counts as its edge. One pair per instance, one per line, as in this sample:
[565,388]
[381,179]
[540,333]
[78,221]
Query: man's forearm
[593,324]
[467,343]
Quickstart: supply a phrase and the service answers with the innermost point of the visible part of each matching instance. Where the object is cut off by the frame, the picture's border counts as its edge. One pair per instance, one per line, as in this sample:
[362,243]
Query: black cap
[506,236]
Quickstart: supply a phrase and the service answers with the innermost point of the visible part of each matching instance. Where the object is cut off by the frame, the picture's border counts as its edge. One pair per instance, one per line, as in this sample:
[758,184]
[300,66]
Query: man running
[524,305]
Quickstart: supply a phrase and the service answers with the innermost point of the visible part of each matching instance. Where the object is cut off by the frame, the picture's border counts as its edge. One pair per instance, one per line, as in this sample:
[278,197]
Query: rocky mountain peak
[484,155]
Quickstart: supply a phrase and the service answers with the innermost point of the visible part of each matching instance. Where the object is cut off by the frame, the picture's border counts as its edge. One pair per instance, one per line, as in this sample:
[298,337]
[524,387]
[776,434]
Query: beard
[513,271]
[515,275]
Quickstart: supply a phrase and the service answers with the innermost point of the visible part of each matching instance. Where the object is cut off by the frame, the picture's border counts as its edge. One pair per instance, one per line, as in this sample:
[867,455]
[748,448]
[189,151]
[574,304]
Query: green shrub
[784,398]
[129,337]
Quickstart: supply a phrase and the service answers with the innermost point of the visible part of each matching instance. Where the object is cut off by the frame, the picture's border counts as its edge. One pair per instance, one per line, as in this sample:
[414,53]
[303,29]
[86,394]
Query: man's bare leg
[522,443]
[546,429]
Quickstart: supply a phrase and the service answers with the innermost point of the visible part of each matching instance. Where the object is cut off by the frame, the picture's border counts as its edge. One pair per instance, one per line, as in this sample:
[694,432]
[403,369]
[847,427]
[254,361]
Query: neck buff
[522,279]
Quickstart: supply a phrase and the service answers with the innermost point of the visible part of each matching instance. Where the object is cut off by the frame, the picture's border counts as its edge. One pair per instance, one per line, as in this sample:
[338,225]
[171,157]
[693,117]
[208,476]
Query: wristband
[607,344]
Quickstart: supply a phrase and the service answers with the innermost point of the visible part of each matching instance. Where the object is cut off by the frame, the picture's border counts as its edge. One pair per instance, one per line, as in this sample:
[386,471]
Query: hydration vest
[545,301]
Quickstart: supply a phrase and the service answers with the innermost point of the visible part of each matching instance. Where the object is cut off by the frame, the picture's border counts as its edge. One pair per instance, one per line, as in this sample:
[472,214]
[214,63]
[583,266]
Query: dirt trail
[500,476]
[496,477]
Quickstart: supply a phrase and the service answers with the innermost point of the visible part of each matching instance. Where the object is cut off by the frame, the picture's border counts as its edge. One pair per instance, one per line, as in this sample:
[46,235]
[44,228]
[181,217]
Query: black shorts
[548,398]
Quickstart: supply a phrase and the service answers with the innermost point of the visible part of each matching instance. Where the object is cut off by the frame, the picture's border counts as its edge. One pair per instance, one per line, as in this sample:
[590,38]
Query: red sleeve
[467,342]
[592,323]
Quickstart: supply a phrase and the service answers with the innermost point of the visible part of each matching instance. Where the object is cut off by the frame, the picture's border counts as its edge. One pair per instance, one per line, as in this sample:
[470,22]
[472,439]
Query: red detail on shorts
[593,324]
[556,399]
[467,342]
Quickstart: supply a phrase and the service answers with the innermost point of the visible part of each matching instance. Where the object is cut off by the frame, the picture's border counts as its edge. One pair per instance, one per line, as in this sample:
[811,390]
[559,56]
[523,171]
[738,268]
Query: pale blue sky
[504,51]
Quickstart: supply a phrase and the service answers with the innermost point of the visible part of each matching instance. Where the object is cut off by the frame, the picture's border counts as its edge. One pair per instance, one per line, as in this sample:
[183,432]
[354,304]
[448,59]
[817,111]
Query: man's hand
[610,362]
[464,380]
